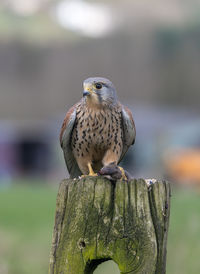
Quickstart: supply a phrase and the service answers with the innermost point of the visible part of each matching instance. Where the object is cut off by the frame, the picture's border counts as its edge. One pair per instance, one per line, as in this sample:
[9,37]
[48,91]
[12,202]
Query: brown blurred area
[184,166]
[150,50]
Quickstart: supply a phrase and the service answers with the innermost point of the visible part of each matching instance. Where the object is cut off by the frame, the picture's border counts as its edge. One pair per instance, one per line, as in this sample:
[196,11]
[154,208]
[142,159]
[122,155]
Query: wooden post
[97,220]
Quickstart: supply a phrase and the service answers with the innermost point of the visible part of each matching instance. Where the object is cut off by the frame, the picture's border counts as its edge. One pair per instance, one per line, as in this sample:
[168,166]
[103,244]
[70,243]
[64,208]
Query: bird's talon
[123,174]
[91,172]
[83,176]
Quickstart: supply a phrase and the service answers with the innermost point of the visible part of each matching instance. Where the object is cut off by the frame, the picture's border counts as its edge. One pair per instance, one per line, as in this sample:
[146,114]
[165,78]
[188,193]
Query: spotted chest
[96,131]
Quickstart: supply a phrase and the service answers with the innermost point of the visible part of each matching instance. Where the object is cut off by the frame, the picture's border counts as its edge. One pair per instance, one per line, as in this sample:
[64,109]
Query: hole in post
[102,266]
[108,267]
[82,244]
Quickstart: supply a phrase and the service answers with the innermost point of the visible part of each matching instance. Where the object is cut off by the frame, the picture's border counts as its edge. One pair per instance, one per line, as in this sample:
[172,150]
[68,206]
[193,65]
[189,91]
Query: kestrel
[97,131]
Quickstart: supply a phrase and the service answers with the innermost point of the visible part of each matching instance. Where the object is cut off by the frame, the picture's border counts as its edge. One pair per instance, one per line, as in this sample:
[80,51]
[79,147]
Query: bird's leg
[91,171]
[123,173]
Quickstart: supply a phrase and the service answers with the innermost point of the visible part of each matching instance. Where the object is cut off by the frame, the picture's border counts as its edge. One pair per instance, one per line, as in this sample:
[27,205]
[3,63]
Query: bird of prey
[97,131]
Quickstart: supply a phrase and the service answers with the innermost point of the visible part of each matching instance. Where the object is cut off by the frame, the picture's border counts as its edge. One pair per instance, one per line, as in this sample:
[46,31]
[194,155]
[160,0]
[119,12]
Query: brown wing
[69,118]
[65,142]
[129,131]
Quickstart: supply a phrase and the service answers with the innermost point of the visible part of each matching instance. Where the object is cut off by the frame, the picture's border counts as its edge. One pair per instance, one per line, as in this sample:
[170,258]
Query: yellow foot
[87,175]
[91,172]
[123,174]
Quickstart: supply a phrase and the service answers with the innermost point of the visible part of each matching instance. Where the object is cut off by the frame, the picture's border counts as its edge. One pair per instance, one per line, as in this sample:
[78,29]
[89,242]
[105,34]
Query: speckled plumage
[95,132]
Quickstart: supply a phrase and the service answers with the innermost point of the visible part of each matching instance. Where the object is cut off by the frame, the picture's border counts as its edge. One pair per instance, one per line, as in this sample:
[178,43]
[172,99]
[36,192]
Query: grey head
[99,91]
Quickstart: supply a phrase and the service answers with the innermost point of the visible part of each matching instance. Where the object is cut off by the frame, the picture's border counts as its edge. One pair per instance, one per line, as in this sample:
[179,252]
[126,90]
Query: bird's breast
[95,132]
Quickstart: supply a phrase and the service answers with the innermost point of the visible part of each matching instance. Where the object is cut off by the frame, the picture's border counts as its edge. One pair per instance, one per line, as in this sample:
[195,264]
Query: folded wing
[65,142]
[129,131]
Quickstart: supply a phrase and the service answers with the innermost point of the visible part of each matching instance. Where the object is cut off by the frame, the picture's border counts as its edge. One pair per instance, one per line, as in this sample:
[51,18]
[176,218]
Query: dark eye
[98,85]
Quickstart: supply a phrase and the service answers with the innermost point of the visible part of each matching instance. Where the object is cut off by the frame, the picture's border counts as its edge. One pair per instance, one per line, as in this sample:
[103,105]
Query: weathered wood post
[97,220]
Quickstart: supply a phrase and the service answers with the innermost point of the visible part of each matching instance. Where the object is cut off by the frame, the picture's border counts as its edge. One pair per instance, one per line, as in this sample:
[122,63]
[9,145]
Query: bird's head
[99,91]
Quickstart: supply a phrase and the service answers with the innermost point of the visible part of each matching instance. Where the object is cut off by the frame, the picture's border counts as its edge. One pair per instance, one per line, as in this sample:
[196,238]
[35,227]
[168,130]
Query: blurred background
[150,50]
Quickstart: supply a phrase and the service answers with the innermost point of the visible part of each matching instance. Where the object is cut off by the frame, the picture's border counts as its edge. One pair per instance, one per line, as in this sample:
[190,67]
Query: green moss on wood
[98,220]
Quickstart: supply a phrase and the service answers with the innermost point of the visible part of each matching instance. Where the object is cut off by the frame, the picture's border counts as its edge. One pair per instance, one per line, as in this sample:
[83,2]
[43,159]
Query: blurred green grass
[27,219]
[26,225]
[184,229]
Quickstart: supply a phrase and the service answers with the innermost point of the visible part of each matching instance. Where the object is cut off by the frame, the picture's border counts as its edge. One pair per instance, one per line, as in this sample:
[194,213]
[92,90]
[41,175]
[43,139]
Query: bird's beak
[87,89]
[86,93]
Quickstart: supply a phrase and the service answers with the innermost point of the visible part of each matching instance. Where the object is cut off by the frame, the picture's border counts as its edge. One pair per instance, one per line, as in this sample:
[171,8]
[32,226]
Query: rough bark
[97,220]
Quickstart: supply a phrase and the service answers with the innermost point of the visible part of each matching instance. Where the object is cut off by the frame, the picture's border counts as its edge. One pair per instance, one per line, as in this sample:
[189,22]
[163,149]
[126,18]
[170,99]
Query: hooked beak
[87,89]
[86,93]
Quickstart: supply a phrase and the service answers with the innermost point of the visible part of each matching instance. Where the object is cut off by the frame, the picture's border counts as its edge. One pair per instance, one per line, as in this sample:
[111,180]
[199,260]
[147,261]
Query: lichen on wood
[98,220]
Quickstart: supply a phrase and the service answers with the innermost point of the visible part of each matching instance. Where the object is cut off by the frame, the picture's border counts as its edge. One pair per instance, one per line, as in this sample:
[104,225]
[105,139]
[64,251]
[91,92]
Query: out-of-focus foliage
[39,28]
